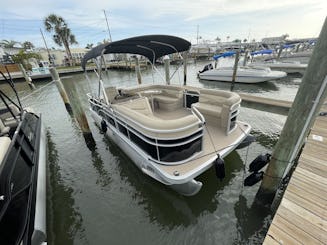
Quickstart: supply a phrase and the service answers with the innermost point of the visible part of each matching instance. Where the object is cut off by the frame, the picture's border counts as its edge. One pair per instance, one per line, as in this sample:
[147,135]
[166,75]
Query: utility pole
[307,103]
[105,15]
[46,46]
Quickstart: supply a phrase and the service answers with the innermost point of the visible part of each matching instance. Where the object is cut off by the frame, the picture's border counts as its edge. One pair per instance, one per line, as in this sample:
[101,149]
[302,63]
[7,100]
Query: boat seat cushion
[208,109]
[156,127]
[140,105]
[3,129]
[4,146]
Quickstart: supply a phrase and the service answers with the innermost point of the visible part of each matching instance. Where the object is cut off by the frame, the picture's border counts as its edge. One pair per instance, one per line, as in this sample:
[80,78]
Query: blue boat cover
[226,54]
[264,51]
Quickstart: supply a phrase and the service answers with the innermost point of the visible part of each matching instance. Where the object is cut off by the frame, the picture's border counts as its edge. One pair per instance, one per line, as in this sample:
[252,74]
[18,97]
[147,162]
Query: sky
[21,20]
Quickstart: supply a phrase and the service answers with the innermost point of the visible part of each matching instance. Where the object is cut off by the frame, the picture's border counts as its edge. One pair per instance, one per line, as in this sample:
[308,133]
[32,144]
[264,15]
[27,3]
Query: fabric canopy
[150,46]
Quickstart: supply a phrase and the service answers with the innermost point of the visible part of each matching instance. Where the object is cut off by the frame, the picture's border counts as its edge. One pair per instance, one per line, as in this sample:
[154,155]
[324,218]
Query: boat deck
[301,216]
[215,141]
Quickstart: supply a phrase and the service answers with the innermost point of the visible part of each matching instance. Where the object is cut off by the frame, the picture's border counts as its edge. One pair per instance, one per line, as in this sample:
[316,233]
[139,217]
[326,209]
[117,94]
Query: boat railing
[118,114]
[154,130]
[198,114]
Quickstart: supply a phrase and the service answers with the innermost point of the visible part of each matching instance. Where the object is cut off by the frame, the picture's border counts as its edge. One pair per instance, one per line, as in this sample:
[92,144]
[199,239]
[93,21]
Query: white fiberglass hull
[288,67]
[242,76]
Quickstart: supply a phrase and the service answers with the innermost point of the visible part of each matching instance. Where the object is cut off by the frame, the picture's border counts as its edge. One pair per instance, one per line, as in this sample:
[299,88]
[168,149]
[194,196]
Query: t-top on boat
[22,174]
[172,133]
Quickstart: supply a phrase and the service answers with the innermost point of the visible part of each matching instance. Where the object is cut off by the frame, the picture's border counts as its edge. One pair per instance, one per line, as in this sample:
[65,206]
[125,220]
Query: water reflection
[64,222]
[164,206]
[251,220]
[265,140]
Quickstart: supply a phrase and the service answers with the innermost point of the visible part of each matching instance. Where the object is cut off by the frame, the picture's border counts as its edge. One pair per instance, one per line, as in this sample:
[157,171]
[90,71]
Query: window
[179,153]
[146,147]
[122,129]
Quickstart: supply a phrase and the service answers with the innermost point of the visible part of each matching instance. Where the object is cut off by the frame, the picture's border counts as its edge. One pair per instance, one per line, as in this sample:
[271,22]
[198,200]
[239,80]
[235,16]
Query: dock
[301,217]
[116,65]
[266,104]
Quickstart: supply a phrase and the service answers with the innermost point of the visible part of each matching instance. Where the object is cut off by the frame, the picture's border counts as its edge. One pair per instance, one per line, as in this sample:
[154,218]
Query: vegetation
[28,45]
[8,43]
[62,34]
[22,58]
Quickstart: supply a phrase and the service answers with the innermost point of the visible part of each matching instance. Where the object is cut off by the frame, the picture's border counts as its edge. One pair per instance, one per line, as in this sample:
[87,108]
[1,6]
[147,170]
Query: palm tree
[28,45]
[62,34]
[8,43]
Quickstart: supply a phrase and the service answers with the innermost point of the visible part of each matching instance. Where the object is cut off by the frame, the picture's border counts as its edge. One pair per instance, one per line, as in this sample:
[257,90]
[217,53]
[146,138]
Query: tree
[62,34]
[22,58]
[89,45]
[245,40]
[28,45]
[8,43]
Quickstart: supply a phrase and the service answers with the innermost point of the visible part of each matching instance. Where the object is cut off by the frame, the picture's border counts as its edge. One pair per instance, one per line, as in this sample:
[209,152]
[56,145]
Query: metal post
[309,98]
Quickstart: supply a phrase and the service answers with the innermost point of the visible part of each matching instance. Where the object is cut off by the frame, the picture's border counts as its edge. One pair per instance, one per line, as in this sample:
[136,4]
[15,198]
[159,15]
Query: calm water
[97,196]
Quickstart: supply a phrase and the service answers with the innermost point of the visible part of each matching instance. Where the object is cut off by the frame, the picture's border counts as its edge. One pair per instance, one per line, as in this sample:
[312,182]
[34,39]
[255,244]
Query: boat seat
[170,98]
[4,130]
[4,146]
[111,93]
[156,127]
[216,105]
[8,119]
[140,105]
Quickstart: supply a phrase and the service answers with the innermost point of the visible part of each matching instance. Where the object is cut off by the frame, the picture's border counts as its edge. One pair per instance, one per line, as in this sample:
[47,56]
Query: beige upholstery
[111,93]
[152,123]
[3,129]
[8,119]
[140,105]
[4,146]
[216,105]
[170,97]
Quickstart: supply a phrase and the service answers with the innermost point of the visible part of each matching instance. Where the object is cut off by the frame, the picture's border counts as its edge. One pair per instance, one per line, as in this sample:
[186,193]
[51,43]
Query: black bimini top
[150,46]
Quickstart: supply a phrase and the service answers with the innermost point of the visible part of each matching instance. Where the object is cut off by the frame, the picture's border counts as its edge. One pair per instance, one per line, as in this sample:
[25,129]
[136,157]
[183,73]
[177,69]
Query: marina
[164,138]
[218,206]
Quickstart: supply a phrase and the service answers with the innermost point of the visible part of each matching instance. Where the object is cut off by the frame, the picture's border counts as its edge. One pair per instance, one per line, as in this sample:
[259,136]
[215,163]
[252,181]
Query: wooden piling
[309,98]
[245,57]
[237,57]
[28,79]
[167,63]
[279,52]
[185,67]
[62,91]
[77,107]
[138,70]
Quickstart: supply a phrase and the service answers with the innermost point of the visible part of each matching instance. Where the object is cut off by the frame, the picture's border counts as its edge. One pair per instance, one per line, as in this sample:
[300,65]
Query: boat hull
[189,188]
[183,184]
[241,77]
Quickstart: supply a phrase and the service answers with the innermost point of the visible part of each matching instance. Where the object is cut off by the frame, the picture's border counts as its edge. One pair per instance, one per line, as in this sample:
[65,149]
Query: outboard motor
[206,68]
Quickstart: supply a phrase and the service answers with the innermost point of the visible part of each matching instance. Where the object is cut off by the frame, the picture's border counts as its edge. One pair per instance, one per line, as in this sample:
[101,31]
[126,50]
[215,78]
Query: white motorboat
[172,133]
[22,174]
[244,74]
[288,67]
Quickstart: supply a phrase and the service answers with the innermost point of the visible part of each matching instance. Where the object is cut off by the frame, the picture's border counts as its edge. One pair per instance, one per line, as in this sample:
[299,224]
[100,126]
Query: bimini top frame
[150,46]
